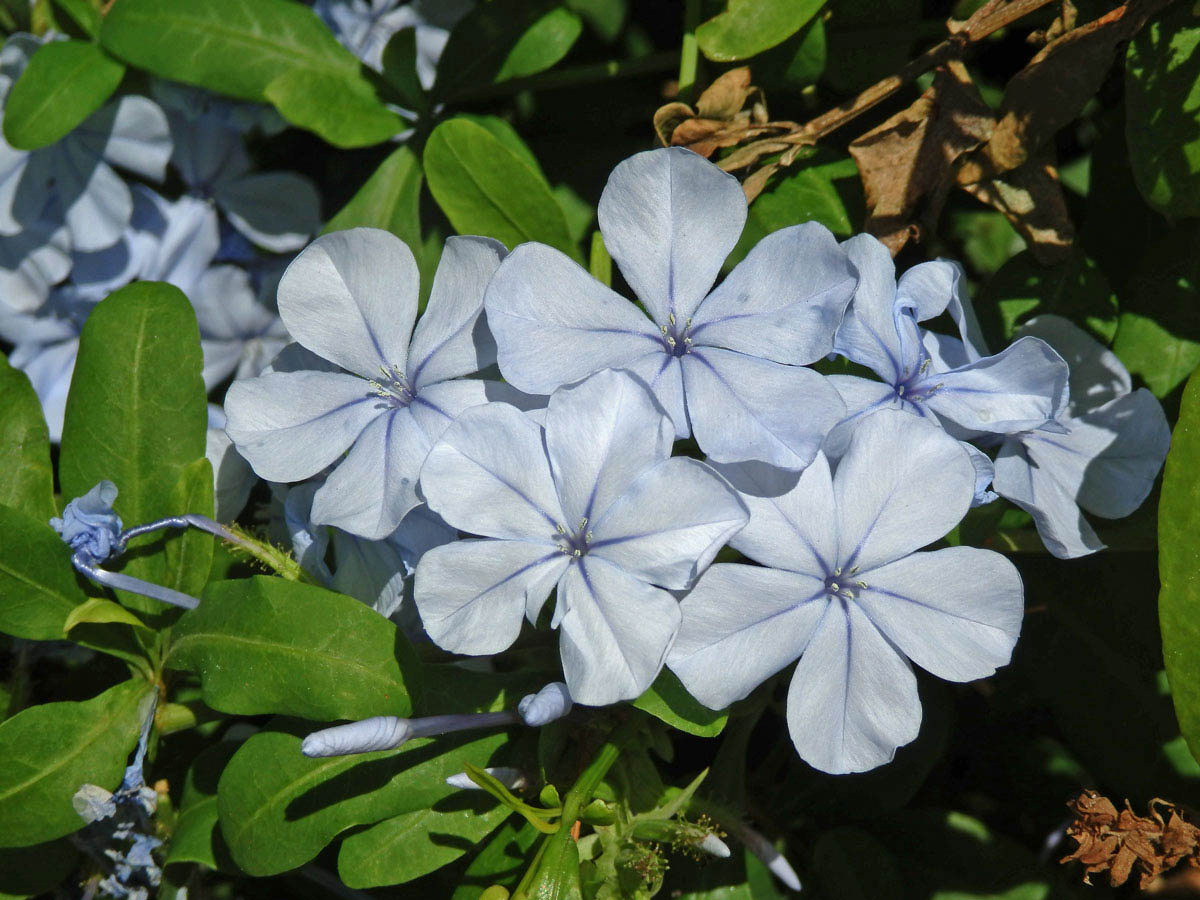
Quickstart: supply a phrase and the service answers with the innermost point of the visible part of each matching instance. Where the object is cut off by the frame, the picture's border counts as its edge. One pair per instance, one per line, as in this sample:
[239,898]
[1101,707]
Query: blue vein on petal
[507,578]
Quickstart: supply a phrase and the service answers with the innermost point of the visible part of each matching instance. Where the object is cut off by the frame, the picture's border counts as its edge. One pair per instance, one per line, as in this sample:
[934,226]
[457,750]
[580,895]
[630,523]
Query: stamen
[835,587]
[925,366]
[838,571]
[663,329]
[853,570]
[862,584]
[670,341]
[671,318]
[561,529]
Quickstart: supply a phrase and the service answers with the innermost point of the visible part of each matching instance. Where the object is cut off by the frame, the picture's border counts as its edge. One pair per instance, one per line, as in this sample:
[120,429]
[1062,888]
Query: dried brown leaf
[730,112]
[725,97]
[669,117]
[910,156]
[1032,199]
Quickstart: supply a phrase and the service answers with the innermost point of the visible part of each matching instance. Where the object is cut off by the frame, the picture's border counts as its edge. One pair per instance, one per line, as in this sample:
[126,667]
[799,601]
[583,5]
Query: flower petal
[488,475]
[600,435]
[902,484]
[279,211]
[784,301]
[554,324]
[1097,375]
[792,516]
[670,522]
[375,486]
[867,334]
[663,374]
[30,263]
[132,133]
[741,625]
[669,218]
[929,287]
[955,612]
[742,407]
[437,405]
[853,699]
[1019,388]
[97,203]
[351,298]
[472,594]
[291,425]
[615,634]
[452,338]
[862,397]
[1059,520]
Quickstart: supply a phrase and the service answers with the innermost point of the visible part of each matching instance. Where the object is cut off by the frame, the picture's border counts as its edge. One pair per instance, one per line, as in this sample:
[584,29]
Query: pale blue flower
[726,364]
[592,504]
[351,299]
[364,27]
[841,587]
[233,478]
[278,211]
[68,194]
[89,525]
[929,375]
[1101,455]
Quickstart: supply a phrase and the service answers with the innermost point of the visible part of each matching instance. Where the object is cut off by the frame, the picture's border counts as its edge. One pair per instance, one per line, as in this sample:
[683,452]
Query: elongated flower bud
[513,779]
[550,703]
[365,736]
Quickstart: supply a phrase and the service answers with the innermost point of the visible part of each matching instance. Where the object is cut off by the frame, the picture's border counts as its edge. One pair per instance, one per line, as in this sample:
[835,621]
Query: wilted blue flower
[726,365]
[351,298]
[840,584]
[1101,455]
[89,525]
[365,26]
[593,505]
[278,211]
[67,194]
[929,375]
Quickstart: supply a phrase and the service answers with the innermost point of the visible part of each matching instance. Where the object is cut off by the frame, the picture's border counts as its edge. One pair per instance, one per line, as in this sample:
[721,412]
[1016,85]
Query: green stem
[274,558]
[689,56]
[573,76]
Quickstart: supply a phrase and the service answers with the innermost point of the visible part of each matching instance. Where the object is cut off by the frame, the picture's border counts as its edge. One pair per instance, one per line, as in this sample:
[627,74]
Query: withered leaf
[1031,198]
[910,157]
[731,111]
[725,97]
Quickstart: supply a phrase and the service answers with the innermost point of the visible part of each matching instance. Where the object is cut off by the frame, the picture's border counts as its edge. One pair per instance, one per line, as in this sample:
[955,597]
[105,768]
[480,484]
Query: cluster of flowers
[562,478]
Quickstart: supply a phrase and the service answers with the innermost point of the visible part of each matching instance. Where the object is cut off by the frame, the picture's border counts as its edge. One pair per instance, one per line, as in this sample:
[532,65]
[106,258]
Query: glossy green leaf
[389,200]
[748,27]
[278,808]
[484,188]
[1161,358]
[667,699]
[194,838]
[796,63]
[98,611]
[266,645]
[1162,106]
[504,39]
[188,555]
[405,847]
[26,480]
[1076,289]
[136,414]
[29,871]
[501,861]
[343,111]
[48,751]
[64,83]
[38,587]
[84,14]
[605,17]
[1179,565]
[400,69]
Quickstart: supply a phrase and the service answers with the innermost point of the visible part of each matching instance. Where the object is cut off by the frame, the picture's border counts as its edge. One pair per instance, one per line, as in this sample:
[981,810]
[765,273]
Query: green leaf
[484,188]
[501,861]
[405,847]
[26,480]
[667,699]
[1179,565]
[1162,359]
[29,871]
[1076,289]
[605,17]
[278,808]
[194,838]
[136,414]
[796,63]
[343,111]
[64,83]
[389,200]
[869,39]
[48,751]
[38,586]
[84,14]
[99,611]
[852,865]
[1162,107]
[504,39]
[748,27]
[189,555]
[266,645]
[400,69]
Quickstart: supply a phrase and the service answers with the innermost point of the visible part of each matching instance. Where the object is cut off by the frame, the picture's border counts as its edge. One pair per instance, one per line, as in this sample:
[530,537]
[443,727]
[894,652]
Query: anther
[861,584]
[560,528]
[833,586]
[838,571]
[853,570]
[670,341]
[925,365]
[588,537]
[671,318]
[663,329]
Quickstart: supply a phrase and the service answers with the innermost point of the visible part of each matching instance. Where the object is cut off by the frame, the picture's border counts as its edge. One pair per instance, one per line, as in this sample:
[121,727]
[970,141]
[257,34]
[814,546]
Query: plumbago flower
[727,365]
[364,27]
[67,196]
[841,588]
[592,504]
[351,299]
[1101,454]
[929,375]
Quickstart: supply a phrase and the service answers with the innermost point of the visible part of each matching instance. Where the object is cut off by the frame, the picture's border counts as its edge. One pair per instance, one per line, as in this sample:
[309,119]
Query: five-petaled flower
[593,504]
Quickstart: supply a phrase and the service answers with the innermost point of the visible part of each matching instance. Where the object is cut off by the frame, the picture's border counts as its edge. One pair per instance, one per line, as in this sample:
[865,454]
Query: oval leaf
[667,699]
[341,110]
[47,752]
[748,27]
[266,645]
[64,83]
[38,587]
[389,200]
[26,480]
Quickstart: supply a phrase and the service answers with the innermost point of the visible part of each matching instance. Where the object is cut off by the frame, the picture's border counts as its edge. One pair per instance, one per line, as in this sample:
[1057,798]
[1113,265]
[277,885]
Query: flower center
[675,339]
[842,585]
[393,388]
[915,388]
[574,543]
